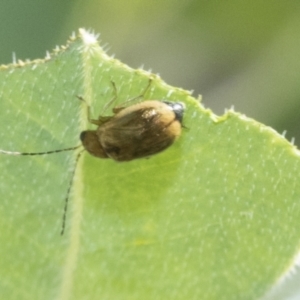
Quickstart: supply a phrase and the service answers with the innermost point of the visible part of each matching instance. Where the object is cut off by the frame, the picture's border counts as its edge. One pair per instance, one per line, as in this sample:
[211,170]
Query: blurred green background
[240,53]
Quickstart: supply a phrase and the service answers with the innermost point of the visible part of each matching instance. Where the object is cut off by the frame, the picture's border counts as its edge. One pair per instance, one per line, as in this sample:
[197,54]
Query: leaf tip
[89,38]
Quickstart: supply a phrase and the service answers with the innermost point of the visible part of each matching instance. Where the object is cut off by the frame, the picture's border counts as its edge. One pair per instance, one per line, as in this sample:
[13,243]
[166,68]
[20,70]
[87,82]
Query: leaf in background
[216,216]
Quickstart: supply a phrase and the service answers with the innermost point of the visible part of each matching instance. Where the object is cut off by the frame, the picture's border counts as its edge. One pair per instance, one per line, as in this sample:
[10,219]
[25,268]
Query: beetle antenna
[72,176]
[38,153]
[64,217]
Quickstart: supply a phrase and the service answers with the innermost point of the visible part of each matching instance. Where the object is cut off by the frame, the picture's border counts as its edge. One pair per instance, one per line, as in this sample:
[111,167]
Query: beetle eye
[82,135]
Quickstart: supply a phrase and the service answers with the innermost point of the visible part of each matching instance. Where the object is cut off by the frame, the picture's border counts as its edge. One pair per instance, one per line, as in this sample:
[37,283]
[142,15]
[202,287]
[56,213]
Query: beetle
[136,131]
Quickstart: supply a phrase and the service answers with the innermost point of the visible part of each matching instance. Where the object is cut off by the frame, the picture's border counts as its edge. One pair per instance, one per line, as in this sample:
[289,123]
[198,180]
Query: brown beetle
[136,131]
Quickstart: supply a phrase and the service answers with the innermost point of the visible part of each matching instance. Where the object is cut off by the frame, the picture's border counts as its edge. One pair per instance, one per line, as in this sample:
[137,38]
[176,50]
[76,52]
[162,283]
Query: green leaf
[216,216]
